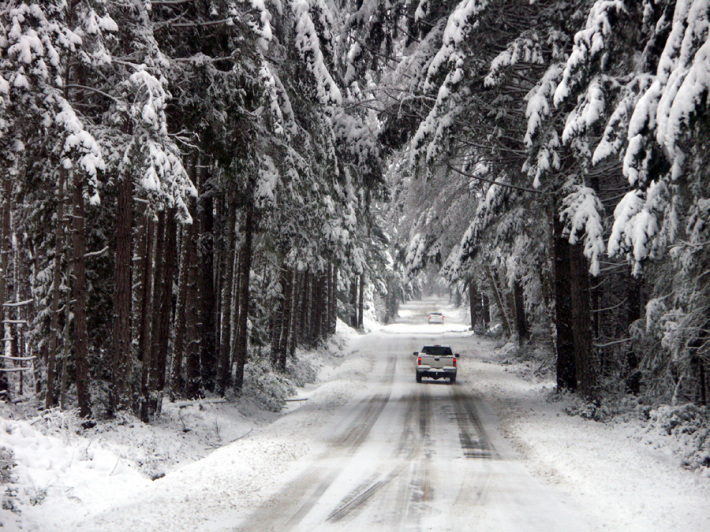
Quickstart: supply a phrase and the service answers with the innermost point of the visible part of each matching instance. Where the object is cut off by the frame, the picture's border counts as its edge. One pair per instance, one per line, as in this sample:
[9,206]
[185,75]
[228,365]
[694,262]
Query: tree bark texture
[486,310]
[166,298]
[59,244]
[193,388]
[633,296]
[298,279]
[498,299]
[81,340]
[361,302]
[242,340]
[566,365]
[333,300]
[121,359]
[473,302]
[520,321]
[5,242]
[224,365]
[146,317]
[208,300]
[353,302]
[585,362]
[177,381]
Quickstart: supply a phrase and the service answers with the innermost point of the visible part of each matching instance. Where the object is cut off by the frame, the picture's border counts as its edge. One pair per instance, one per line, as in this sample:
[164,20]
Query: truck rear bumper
[443,373]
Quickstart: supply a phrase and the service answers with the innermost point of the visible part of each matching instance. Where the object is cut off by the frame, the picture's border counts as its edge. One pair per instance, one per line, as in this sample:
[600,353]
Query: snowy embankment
[214,462]
[624,473]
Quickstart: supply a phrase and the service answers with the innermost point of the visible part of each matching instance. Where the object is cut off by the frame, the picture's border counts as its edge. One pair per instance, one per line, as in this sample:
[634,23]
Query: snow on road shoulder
[211,460]
[623,475]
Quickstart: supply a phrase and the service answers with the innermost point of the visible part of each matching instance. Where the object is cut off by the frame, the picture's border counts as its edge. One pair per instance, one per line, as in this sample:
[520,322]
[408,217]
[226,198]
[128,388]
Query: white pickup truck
[437,362]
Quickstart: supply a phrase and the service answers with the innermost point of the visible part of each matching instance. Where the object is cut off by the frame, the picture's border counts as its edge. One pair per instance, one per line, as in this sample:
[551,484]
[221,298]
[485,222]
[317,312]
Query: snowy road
[365,447]
[408,456]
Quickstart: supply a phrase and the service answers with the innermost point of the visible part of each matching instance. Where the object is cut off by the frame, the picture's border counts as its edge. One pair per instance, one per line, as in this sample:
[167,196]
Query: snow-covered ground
[215,462]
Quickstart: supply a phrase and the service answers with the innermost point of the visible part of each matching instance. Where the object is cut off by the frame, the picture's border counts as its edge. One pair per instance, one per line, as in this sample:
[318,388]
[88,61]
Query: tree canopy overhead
[191,189]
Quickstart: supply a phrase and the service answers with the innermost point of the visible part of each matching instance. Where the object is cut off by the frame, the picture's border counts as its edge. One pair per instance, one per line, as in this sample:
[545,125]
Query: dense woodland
[193,189]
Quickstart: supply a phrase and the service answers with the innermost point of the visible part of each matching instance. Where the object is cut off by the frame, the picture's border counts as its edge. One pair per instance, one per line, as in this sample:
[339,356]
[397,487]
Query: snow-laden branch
[490,181]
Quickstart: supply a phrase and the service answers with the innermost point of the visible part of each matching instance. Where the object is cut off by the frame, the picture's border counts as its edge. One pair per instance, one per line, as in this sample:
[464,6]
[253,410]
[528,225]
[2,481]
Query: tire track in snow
[343,446]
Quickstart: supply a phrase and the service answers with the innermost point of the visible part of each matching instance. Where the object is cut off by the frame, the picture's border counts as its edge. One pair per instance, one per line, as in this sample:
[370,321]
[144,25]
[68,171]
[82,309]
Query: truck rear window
[436,350]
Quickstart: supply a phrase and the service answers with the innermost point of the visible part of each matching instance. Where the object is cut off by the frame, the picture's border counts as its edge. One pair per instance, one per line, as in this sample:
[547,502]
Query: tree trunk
[499,300]
[566,365]
[486,310]
[193,387]
[282,317]
[361,303]
[473,302]
[305,327]
[208,300]
[633,378]
[585,362]
[165,301]
[353,303]
[50,400]
[81,340]
[156,378]
[121,359]
[224,372]
[5,243]
[520,321]
[333,301]
[296,312]
[242,340]
[66,353]
[144,335]
[176,375]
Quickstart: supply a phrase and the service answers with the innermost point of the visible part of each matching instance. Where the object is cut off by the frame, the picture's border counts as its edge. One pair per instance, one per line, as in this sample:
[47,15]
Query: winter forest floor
[206,465]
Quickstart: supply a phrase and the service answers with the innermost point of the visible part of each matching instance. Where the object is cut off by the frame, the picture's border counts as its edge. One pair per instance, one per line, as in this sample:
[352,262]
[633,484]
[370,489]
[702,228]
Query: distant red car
[436,317]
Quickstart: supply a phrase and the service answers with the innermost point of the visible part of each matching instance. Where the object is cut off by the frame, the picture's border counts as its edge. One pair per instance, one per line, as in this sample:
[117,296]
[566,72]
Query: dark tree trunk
[296,312]
[146,292]
[161,314]
[176,374]
[224,365]
[208,300]
[289,342]
[520,321]
[581,324]
[353,303]
[144,335]
[486,310]
[81,340]
[323,305]
[122,293]
[59,243]
[361,302]
[152,400]
[566,365]
[473,302]
[5,243]
[305,328]
[166,300]
[633,379]
[333,300]
[193,388]
[282,318]
[242,340]
[499,300]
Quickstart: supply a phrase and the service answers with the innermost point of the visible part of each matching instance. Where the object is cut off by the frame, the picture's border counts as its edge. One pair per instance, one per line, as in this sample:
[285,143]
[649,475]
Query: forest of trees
[184,187]
[189,186]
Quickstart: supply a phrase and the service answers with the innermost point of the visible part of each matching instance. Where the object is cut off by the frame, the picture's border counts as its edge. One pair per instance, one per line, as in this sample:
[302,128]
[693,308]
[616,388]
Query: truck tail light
[419,361]
[454,362]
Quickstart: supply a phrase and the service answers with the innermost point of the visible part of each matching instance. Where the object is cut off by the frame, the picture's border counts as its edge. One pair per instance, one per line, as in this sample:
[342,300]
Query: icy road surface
[408,456]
